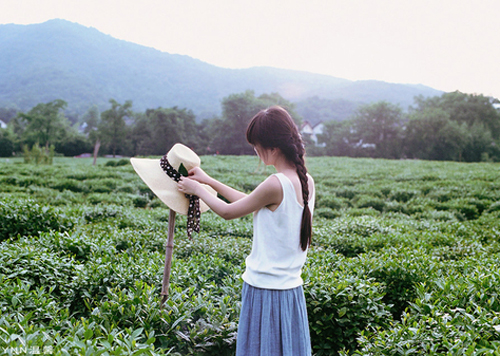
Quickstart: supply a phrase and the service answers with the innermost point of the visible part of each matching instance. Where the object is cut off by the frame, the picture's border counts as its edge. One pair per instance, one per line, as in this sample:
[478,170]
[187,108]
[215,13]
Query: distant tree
[478,144]
[45,124]
[74,143]
[431,134]
[156,131]
[237,111]
[475,116]
[112,128]
[375,130]
[338,138]
[205,134]
[379,124]
[471,109]
[7,141]
[92,120]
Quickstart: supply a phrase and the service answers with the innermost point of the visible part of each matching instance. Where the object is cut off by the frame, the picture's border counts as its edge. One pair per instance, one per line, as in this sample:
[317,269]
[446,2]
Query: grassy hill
[59,59]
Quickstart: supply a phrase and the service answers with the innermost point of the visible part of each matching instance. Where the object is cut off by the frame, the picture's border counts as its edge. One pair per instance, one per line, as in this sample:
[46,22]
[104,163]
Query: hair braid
[306,225]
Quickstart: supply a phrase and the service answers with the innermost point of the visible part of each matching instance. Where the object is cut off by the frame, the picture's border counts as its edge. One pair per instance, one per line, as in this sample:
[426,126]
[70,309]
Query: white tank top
[277,259]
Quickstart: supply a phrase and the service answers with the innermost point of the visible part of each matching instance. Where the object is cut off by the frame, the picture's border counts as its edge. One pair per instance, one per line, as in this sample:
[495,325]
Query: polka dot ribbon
[193,215]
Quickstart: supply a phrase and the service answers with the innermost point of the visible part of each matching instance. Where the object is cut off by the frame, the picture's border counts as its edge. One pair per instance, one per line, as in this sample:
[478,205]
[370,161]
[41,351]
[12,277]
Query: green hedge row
[401,263]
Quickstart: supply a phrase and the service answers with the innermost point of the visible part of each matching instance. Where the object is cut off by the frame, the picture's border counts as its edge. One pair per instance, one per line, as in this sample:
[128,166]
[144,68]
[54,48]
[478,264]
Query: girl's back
[277,257]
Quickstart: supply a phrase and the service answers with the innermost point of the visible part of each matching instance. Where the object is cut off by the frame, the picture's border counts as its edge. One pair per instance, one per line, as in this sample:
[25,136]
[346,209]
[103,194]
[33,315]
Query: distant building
[82,127]
[3,125]
[308,130]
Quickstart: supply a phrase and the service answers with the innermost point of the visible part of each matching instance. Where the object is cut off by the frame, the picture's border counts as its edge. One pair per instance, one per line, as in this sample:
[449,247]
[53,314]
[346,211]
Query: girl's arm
[267,193]
[227,192]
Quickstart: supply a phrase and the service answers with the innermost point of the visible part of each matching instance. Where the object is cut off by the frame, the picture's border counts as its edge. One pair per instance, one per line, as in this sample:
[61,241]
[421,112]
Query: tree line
[453,126]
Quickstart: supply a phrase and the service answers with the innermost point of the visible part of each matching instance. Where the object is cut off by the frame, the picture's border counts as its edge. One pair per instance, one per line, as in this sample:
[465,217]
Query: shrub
[20,297]
[327,213]
[100,213]
[127,188]
[465,211]
[28,218]
[67,197]
[77,246]
[345,193]
[400,271]
[29,262]
[363,212]
[122,162]
[368,201]
[441,195]
[329,201]
[449,316]
[38,155]
[228,248]
[111,199]
[461,332]
[340,306]
[104,185]
[402,195]
[140,201]
[494,207]
[156,203]
[67,184]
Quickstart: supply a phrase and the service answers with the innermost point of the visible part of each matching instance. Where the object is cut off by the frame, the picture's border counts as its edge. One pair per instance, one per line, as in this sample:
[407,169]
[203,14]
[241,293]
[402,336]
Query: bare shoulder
[310,180]
[272,183]
[310,183]
[269,192]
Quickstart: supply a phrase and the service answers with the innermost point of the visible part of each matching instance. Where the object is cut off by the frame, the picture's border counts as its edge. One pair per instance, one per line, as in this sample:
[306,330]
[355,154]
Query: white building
[3,125]
[308,130]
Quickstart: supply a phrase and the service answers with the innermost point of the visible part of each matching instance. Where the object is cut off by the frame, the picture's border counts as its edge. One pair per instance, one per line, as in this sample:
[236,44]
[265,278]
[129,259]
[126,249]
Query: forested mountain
[64,60]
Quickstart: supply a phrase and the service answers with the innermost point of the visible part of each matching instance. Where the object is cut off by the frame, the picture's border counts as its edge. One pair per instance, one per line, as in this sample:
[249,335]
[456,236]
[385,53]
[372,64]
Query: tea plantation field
[405,260]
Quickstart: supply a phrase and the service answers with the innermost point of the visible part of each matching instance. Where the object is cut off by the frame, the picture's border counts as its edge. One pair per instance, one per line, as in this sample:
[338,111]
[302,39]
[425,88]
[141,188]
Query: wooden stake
[168,257]
[96,150]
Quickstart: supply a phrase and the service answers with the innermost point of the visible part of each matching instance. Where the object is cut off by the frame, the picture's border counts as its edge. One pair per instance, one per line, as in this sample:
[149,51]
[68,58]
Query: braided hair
[275,128]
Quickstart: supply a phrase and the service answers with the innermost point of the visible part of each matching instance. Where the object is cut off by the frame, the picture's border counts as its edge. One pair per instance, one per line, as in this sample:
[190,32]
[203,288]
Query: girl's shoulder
[310,178]
[310,183]
[271,183]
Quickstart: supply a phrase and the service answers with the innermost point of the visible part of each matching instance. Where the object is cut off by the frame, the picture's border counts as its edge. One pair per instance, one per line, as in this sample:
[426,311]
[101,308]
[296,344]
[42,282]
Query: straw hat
[164,187]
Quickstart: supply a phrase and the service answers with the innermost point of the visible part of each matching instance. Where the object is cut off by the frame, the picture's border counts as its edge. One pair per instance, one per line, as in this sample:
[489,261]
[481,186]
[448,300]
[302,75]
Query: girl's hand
[199,175]
[188,186]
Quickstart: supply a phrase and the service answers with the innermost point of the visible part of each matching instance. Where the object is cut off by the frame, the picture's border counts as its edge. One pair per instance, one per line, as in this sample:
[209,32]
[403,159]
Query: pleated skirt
[273,323]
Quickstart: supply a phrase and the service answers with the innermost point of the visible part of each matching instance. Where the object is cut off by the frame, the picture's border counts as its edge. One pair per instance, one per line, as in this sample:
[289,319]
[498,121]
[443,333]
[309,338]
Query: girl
[273,319]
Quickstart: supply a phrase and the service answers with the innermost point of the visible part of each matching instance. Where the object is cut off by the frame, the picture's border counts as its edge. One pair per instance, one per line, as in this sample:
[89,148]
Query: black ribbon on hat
[193,215]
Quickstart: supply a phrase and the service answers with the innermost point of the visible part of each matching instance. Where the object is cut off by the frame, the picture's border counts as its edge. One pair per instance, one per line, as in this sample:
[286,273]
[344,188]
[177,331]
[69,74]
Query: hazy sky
[446,44]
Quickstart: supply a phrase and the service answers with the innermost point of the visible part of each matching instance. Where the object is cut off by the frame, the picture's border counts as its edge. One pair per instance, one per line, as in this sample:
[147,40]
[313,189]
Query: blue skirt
[273,323]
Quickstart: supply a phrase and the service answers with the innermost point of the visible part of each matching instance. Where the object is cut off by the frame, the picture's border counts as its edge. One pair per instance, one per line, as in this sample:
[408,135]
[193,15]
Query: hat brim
[164,187]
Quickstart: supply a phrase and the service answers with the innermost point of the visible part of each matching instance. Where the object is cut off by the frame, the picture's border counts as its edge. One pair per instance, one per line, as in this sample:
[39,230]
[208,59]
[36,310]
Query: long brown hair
[275,128]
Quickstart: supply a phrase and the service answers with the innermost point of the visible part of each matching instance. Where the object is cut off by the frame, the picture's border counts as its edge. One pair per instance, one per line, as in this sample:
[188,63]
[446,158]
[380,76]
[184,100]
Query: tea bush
[403,261]
[27,218]
[340,306]
[67,184]
[27,261]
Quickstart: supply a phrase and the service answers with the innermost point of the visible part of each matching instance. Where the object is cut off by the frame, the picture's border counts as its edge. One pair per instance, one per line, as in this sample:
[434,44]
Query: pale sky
[446,44]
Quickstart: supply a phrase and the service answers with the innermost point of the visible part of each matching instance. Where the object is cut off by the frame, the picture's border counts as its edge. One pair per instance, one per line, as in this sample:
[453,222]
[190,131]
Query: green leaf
[183,170]
[342,312]
[138,331]
[88,334]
